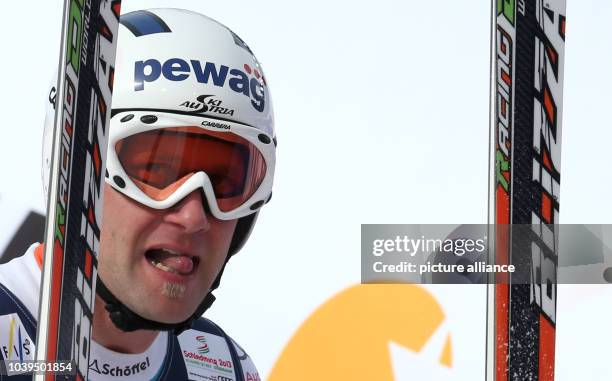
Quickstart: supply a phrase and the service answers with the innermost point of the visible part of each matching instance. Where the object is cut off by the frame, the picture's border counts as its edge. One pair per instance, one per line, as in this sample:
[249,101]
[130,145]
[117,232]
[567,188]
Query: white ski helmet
[188,81]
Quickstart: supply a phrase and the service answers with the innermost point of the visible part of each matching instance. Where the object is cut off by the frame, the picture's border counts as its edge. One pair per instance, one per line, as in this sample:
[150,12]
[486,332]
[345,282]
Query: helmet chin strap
[127,320]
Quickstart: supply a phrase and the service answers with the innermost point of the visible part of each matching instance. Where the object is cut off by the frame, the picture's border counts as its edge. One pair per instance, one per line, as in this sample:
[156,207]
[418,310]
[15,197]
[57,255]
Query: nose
[190,214]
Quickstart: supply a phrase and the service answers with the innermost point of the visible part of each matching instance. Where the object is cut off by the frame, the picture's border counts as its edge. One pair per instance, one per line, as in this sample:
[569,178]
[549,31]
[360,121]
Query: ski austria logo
[15,343]
[386,332]
[249,82]
[203,348]
[207,103]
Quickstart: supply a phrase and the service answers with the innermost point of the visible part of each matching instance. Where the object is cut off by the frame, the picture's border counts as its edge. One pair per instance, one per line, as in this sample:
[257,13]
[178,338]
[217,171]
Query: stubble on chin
[173,290]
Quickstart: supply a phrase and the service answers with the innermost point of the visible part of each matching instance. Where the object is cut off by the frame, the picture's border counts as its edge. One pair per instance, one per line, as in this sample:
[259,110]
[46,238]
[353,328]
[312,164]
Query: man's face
[161,263]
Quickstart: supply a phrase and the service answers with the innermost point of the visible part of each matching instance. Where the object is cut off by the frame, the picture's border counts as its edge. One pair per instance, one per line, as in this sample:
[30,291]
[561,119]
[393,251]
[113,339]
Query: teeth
[164,268]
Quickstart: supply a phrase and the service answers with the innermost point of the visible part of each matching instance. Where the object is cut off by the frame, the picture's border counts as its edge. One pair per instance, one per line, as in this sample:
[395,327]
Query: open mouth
[172,262]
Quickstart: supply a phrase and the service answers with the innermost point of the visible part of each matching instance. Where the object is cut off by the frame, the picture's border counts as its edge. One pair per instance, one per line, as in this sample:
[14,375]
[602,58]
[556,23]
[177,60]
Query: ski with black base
[527,61]
[74,209]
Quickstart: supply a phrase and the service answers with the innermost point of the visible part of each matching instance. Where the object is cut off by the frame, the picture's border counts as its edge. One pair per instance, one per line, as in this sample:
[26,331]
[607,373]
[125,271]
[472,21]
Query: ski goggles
[158,158]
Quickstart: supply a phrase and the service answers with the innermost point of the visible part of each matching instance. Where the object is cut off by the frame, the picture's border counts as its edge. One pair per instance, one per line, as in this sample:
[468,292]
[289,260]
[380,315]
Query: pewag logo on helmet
[249,82]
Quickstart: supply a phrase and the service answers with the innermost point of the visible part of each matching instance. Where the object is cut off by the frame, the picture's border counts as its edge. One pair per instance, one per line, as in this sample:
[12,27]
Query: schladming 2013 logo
[203,348]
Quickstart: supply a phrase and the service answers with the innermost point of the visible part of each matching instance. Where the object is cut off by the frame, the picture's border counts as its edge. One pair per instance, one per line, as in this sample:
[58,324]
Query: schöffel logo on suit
[249,82]
[118,370]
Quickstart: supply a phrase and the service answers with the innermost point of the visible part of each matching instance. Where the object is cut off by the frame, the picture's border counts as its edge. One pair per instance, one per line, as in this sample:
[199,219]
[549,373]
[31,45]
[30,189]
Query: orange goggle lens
[160,161]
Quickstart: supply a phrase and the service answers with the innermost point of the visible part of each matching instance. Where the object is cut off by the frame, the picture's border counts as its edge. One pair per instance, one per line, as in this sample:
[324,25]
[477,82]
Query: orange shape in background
[348,337]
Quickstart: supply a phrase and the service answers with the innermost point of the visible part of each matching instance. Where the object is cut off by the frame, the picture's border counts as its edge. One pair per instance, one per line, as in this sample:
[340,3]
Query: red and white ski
[528,44]
[74,210]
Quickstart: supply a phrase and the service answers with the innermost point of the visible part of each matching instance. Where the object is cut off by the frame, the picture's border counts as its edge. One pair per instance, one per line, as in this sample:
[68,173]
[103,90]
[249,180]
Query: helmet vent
[119,181]
[127,118]
[148,119]
[257,205]
[264,139]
